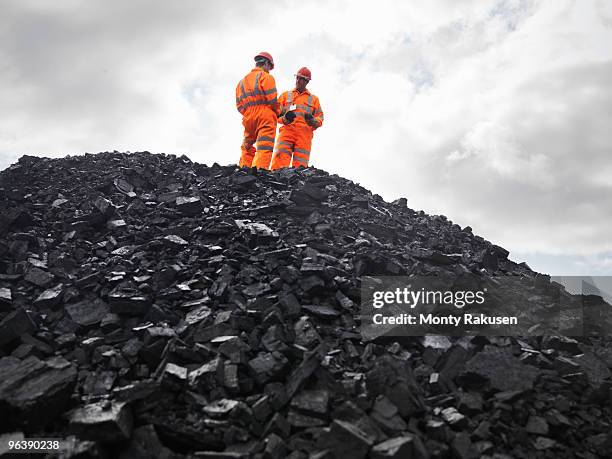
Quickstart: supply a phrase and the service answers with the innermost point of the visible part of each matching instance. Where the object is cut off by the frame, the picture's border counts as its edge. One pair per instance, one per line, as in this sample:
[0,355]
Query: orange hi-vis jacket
[295,139]
[257,102]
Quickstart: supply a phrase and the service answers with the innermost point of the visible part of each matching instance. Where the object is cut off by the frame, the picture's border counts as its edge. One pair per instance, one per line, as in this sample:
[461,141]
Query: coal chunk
[309,408]
[116,224]
[15,324]
[104,206]
[88,312]
[463,448]
[501,369]
[245,181]
[174,241]
[305,333]
[386,415]
[34,392]
[267,365]
[394,448]
[207,376]
[128,302]
[189,205]
[145,443]
[561,343]
[346,441]
[537,425]
[304,370]
[106,422]
[51,297]
[454,418]
[174,376]
[222,407]
[6,298]
[323,312]
[470,403]
[39,277]
[595,368]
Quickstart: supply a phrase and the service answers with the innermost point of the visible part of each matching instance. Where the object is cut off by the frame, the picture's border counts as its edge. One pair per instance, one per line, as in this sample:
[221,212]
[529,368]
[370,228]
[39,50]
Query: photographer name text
[431,319]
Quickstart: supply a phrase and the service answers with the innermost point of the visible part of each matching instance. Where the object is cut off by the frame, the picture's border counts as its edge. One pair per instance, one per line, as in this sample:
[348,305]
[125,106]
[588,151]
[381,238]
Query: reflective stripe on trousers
[292,148]
[260,132]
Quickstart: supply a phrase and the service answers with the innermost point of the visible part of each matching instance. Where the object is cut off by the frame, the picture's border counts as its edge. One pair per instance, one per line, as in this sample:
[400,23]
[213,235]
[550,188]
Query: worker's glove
[289,117]
[309,119]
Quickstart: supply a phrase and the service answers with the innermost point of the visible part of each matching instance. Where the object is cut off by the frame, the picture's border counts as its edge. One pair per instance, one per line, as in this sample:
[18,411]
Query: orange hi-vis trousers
[292,140]
[259,131]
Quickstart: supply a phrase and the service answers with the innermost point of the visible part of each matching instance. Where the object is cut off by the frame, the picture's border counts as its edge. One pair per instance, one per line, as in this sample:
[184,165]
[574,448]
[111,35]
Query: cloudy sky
[497,114]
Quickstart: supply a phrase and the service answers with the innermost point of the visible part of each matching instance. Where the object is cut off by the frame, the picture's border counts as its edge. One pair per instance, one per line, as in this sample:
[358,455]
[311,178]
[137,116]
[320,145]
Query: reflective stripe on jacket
[258,88]
[305,103]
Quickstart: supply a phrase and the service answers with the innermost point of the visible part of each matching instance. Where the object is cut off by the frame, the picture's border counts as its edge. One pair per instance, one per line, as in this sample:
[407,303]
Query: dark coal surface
[155,307]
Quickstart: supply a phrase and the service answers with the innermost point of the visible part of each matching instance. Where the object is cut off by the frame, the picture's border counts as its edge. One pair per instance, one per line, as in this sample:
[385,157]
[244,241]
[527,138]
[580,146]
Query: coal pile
[155,307]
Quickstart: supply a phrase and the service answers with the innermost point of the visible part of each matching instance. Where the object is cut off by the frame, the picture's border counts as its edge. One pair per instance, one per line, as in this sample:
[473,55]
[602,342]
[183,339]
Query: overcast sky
[497,114]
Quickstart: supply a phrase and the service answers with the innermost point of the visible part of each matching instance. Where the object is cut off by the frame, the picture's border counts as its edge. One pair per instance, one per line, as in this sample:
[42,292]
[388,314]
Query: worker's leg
[301,152]
[265,142]
[284,149]
[247,150]
[247,155]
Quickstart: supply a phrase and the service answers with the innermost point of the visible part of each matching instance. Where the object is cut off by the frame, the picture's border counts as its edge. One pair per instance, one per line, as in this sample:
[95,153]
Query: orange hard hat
[266,56]
[304,73]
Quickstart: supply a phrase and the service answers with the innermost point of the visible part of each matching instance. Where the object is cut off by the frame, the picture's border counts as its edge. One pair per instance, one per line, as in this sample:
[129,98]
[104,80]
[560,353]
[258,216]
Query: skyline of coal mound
[151,306]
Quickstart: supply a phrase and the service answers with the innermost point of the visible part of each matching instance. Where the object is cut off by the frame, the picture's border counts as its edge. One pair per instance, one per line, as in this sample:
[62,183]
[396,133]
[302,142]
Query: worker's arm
[268,88]
[239,100]
[284,109]
[282,105]
[317,115]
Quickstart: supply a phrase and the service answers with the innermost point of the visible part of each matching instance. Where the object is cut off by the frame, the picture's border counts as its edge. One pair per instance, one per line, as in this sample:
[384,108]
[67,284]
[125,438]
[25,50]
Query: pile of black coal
[155,307]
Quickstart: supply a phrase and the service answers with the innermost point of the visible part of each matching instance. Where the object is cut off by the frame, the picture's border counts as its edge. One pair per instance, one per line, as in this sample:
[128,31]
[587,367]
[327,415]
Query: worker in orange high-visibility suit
[300,115]
[257,102]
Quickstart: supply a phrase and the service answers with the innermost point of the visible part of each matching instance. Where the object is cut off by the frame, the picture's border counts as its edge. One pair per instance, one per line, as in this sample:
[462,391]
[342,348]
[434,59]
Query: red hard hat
[304,73]
[267,56]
